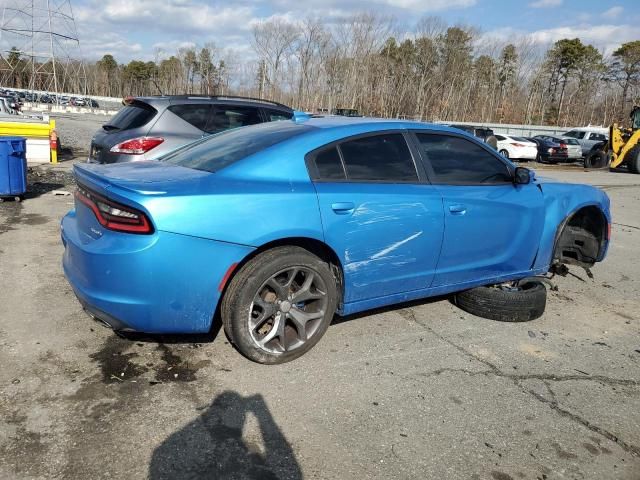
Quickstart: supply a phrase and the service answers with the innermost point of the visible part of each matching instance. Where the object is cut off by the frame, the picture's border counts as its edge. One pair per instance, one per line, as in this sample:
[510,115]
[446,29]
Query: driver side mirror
[522,176]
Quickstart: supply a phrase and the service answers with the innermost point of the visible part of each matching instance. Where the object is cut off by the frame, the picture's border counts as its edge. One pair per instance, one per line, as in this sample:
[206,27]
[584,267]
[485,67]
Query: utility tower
[39,47]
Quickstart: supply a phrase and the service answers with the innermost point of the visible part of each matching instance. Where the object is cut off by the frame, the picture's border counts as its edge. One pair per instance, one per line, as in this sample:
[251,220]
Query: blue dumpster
[13,167]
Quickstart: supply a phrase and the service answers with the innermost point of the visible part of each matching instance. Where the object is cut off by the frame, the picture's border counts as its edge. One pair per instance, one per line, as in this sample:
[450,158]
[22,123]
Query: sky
[139,29]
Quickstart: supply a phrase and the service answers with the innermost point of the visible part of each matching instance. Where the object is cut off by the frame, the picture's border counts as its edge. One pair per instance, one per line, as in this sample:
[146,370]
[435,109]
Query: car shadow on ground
[212,445]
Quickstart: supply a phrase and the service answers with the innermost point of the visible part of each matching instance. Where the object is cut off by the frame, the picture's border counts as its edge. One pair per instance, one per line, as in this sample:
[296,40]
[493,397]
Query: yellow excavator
[623,147]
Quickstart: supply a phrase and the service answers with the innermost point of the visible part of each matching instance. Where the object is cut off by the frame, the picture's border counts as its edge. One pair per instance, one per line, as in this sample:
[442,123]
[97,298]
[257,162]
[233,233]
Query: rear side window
[459,161]
[131,116]
[194,114]
[275,115]
[379,158]
[218,151]
[329,166]
[226,117]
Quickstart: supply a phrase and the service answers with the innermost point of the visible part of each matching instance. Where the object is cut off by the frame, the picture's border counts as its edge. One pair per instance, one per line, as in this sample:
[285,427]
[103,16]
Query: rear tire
[526,303]
[596,159]
[504,153]
[269,312]
[633,159]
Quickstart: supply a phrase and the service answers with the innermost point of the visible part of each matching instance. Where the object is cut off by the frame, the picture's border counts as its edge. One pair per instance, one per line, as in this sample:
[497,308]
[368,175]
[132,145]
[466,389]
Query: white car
[517,147]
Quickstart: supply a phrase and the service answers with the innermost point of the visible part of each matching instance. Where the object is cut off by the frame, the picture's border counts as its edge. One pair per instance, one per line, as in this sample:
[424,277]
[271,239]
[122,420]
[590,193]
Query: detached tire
[522,305]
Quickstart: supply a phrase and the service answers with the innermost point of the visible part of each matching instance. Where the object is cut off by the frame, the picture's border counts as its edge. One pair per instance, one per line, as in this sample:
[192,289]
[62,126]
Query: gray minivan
[147,127]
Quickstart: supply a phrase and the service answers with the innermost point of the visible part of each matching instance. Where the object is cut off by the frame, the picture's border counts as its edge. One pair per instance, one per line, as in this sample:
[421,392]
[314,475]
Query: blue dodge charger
[279,226]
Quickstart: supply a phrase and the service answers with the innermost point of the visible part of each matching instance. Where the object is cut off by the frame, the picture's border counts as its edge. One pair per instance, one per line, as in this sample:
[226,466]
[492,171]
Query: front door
[492,226]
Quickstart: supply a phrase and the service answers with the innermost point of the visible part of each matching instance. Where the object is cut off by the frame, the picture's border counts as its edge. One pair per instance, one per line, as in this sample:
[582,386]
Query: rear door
[378,213]
[492,227]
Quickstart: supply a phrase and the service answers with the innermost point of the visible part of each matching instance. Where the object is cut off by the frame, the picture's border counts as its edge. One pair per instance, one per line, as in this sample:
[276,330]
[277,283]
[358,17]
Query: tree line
[435,72]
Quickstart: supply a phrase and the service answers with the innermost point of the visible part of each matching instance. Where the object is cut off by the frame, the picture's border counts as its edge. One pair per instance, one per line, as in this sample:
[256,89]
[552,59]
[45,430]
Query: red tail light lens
[137,146]
[518,144]
[113,215]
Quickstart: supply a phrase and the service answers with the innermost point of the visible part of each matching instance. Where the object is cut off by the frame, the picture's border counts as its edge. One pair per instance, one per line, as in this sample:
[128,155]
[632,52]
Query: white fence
[517,130]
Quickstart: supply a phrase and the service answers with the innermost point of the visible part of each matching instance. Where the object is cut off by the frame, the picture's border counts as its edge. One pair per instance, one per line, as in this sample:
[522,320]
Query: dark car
[148,127]
[550,149]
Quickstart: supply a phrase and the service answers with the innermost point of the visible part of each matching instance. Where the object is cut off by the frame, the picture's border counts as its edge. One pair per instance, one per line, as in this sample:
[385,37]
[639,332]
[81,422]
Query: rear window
[218,151]
[131,116]
[571,141]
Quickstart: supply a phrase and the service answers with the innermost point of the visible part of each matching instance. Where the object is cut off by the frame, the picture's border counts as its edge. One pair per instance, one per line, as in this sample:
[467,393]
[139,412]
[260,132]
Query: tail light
[137,146]
[551,150]
[518,145]
[113,215]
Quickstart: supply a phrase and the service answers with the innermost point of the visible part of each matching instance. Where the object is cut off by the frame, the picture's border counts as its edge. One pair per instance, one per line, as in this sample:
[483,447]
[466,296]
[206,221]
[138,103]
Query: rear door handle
[342,208]
[457,209]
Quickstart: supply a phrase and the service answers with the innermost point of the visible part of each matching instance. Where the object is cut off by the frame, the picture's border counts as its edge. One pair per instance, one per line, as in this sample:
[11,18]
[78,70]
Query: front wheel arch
[581,237]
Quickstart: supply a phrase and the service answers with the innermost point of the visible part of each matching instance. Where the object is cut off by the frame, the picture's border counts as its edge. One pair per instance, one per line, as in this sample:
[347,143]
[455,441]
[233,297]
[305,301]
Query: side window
[384,158]
[328,165]
[275,115]
[458,161]
[194,114]
[597,136]
[574,134]
[226,117]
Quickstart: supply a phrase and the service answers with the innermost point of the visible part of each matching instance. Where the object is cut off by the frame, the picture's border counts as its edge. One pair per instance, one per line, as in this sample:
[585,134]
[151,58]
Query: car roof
[165,100]
[378,123]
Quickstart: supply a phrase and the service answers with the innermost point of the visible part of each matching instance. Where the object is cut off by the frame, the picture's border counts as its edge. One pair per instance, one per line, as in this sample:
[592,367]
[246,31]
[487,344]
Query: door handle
[343,208]
[457,209]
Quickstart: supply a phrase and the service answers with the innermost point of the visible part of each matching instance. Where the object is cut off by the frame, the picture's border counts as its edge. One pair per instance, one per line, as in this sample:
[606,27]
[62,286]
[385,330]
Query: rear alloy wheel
[279,305]
[505,302]
[504,153]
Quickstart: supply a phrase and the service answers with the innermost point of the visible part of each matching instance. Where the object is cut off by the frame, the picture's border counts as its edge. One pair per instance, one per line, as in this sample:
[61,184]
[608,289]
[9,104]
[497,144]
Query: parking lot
[421,390]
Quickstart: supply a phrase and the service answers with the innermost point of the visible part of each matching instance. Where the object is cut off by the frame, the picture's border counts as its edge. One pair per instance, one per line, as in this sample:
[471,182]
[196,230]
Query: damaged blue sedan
[277,227]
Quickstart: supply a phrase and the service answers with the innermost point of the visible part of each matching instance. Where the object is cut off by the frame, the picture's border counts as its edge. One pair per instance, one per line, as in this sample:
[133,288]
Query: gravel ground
[75,132]
[420,390]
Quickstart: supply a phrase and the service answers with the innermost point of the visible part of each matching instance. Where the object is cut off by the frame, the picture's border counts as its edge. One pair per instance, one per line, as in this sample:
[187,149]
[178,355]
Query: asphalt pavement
[416,391]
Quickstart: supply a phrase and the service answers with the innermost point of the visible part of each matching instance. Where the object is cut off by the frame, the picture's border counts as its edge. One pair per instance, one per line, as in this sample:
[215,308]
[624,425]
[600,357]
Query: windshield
[218,151]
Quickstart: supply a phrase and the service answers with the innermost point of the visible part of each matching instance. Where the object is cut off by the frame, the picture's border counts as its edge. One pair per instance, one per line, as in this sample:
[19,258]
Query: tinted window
[218,151]
[329,165]
[500,137]
[275,115]
[459,161]
[597,136]
[228,117]
[195,114]
[574,134]
[131,116]
[379,158]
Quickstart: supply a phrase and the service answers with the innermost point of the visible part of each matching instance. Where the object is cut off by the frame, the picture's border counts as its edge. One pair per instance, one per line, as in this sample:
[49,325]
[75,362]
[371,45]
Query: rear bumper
[160,283]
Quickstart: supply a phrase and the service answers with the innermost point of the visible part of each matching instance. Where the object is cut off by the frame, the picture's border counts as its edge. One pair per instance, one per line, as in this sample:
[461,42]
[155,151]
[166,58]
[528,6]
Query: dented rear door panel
[388,236]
